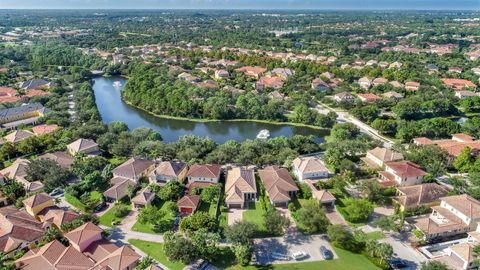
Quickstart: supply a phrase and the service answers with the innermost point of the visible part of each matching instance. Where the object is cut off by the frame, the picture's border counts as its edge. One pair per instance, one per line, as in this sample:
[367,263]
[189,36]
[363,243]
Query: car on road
[399,264]
[279,256]
[299,255]
[56,192]
[326,254]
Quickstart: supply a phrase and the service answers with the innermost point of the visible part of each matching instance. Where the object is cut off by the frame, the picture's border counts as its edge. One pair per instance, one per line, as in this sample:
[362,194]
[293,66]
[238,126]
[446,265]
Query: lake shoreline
[203,120]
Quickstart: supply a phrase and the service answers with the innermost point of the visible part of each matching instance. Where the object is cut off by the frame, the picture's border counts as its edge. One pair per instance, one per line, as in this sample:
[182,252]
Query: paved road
[402,249]
[346,117]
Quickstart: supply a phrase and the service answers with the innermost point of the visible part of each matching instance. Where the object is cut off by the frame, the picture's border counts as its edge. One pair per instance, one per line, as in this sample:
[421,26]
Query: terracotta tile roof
[119,259]
[368,97]
[16,227]
[169,168]
[82,144]
[385,154]
[57,216]
[119,189]
[8,95]
[133,168]
[143,197]
[83,233]
[405,168]
[18,172]
[458,83]
[100,249]
[239,181]
[418,195]
[55,256]
[464,204]
[62,158]
[273,82]
[18,135]
[278,183]
[422,141]
[37,199]
[464,251]
[207,171]
[309,164]
[449,223]
[190,201]
[249,70]
[44,129]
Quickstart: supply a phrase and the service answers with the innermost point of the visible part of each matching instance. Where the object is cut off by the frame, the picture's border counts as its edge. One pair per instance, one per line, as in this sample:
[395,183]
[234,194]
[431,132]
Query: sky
[243,4]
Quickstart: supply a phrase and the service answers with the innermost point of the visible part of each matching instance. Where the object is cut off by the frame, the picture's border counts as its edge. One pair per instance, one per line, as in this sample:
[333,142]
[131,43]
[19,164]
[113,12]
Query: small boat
[263,134]
[117,84]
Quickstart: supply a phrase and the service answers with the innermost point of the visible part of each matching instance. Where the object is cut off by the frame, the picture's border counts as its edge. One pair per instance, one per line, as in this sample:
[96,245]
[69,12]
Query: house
[379,81]
[35,84]
[133,169]
[269,82]
[431,68]
[320,85]
[462,255]
[87,250]
[84,146]
[143,198]
[275,95]
[17,136]
[392,95]
[365,82]
[24,114]
[56,216]
[63,159]
[209,84]
[455,215]
[344,97]
[240,187]
[204,173]
[401,173]
[119,189]
[458,84]
[462,94]
[368,97]
[44,129]
[18,229]
[454,146]
[8,95]
[412,86]
[377,157]
[167,171]
[455,70]
[188,204]
[254,72]
[395,65]
[188,77]
[18,172]
[324,197]
[36,203]
[279,185]
[396,84]
[427,194]
[221,74]
[282,72]
[311,168]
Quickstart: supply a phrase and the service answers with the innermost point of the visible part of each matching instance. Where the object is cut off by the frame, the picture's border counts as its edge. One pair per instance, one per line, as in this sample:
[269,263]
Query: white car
[279,256]
[299,255]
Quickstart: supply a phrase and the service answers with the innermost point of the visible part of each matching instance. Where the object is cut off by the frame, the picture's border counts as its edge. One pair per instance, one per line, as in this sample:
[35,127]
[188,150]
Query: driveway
[289,244]
[129,220]
[335,217]
[403,250]
[234,215]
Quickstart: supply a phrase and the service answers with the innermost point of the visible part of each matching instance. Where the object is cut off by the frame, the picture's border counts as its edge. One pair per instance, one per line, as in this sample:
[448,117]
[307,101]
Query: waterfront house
[377,157]
[401,173]
[204,173]
[84,146]
[168,171]
[427,194]
[240,187]
[279,185]
[311,168]
[455,215]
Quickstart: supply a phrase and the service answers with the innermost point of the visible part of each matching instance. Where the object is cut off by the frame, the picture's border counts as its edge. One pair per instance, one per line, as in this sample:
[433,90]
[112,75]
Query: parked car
[399,264]
[326,254]
[56,192]
[299,255]
[280,256]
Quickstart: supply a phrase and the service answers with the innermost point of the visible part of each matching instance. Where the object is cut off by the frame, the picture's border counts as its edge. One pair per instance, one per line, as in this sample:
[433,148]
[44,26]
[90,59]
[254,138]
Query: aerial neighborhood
[239,140]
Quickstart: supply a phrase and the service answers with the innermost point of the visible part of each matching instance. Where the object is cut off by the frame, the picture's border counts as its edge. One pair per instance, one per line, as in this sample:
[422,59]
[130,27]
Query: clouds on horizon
[242,4]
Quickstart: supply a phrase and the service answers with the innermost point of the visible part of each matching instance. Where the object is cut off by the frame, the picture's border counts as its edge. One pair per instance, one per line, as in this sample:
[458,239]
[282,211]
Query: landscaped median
[347,260]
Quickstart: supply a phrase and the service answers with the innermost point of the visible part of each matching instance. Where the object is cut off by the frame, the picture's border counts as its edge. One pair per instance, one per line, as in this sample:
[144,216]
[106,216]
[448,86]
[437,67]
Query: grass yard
[255,214]
[377,235]
[149,228]
[94,195]
[108,217]
[155,250]
[226,260]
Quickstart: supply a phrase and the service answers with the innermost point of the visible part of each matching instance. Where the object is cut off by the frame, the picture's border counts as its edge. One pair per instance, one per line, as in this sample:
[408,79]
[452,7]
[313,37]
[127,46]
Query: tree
[144,263]
[243,253]
[372,189]
[51,234]
[387,223]
[464,161]
[431,157]
[241,232]
[120,210]
[384,251]
[206,243]
[344,131]
[275,222]
[358,210]
[48,172]
[433,265]
[83,166]
[198,221]
[179,248]
[171,191]
[211,194]
[342,237]
[13,190]
[312,217]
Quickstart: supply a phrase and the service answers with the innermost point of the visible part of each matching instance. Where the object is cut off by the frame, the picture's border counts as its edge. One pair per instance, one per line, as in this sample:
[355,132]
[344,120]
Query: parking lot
[265,249]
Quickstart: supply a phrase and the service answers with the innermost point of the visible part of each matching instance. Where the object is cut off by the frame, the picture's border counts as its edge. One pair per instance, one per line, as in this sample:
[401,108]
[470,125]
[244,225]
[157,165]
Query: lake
[112,108]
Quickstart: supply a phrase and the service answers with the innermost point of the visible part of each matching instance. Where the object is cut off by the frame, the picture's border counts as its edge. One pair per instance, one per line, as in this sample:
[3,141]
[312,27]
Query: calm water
[112,109]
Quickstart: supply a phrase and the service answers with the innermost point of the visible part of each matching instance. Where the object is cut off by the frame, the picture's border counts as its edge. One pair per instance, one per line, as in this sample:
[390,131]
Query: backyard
[113,214]
[95,196]
[167,221]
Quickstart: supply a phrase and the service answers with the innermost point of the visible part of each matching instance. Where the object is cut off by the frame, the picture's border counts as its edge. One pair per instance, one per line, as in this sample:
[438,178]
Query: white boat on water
[117,84]
[263,134]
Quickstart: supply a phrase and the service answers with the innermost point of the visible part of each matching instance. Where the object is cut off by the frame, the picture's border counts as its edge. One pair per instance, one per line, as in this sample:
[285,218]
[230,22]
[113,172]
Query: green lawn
[94,195]
[149,228]
[377,235]
[108,217]
[346,261]
[254,214]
